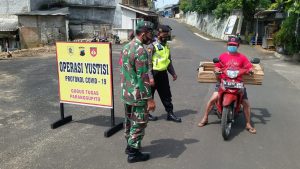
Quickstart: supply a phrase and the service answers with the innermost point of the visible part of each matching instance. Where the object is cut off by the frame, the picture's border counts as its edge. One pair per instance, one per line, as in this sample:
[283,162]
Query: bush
[286,36]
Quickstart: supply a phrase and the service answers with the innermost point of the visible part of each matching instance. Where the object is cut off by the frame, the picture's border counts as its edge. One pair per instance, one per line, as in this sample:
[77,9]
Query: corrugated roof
[262,14]
[8,25]
[60,11]
[143,12]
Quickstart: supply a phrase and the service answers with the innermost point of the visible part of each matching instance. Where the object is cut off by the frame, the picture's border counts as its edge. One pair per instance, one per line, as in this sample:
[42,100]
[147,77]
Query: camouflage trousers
[136,119]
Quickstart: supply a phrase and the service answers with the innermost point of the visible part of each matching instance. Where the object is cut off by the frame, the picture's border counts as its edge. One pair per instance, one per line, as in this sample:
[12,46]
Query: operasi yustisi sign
[84,72]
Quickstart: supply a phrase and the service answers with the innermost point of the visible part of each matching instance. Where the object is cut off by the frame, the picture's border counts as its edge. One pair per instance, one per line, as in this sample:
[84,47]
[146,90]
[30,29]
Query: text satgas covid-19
[86,68]
[80,94]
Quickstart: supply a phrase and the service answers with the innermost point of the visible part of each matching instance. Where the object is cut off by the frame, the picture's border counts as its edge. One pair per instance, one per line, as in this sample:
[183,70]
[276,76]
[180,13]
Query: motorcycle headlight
[232,73]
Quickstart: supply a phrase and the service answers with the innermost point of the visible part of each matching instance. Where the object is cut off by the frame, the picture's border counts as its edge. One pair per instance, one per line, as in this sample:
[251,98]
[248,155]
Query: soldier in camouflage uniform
[136,91]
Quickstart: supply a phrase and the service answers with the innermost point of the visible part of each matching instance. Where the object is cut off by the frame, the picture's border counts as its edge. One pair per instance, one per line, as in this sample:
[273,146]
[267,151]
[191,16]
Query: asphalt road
[29,103]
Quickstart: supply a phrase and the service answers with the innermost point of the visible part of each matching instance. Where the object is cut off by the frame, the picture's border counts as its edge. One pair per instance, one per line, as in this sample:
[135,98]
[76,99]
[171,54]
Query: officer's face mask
[163,37]
[232,49]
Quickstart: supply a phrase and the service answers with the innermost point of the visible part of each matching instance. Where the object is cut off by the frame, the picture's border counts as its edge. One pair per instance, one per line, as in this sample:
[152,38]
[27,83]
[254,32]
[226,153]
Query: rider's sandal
[251,130]
[202,124]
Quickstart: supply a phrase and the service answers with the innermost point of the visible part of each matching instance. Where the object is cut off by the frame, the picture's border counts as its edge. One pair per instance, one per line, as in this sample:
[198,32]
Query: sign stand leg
[64,120]
[114,128]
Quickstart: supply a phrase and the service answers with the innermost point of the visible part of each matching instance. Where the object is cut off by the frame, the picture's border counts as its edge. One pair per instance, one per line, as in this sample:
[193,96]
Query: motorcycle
[230,96]
[116,39]
[99,39]
[103,39]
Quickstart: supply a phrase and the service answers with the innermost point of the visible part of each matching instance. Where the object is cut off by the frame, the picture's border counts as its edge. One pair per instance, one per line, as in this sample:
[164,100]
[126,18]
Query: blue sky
[161,3]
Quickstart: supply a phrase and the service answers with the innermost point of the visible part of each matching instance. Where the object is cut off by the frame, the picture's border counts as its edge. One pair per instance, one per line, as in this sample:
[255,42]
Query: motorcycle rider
[231,58]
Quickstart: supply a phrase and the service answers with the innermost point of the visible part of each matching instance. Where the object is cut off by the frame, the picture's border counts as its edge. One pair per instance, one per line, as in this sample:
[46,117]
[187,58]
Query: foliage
[185,5]
[200,6]
[286,5]
[224,8]
[248,7]
[285,36]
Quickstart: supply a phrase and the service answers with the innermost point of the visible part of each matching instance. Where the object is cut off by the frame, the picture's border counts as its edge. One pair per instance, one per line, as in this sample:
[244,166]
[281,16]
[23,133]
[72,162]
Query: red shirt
[233,61]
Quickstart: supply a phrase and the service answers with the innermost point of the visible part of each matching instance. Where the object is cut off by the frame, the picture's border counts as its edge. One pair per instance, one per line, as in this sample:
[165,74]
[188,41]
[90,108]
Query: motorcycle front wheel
[226,121]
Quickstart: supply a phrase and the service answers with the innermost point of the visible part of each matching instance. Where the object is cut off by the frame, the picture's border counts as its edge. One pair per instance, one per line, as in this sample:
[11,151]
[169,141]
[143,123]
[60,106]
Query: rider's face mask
[232,49]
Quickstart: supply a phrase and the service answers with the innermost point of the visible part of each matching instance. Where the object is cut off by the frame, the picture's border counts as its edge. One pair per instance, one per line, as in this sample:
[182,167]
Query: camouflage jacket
[135,86]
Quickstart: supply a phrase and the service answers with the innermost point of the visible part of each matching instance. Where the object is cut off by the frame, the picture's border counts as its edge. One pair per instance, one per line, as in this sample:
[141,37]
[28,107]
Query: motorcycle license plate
[233,85]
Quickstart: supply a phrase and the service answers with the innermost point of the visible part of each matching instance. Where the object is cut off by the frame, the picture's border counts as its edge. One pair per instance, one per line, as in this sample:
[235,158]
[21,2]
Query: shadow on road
[169,148]
[99,120]
[260,114]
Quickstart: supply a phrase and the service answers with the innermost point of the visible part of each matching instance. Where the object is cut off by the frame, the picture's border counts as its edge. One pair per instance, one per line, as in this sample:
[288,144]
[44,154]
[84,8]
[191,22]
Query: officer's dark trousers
[163,88]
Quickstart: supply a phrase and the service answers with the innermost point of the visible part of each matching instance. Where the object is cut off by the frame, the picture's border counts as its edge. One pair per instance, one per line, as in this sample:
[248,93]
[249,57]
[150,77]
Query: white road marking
[201,36]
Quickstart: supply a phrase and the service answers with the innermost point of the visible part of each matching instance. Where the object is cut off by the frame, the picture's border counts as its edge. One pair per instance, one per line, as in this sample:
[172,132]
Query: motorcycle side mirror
[216,60]
[255,60]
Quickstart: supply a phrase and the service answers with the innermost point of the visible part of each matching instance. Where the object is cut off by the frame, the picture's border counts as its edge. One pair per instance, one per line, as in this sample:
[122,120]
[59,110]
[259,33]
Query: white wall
[92,2]
[118,15]
[210,25]
[10,7]
[206,23]
[127,17]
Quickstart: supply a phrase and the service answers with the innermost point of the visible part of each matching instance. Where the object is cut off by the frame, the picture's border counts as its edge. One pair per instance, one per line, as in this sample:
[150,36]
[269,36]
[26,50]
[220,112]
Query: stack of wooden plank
[206,74]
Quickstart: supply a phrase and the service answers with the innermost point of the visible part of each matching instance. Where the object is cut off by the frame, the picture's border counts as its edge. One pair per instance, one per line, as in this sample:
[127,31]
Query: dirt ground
[29,52]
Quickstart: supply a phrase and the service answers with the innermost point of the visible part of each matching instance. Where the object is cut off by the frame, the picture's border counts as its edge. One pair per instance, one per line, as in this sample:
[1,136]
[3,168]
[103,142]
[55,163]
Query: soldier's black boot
[127,149]
[171,117]
[152,118]
[135,155]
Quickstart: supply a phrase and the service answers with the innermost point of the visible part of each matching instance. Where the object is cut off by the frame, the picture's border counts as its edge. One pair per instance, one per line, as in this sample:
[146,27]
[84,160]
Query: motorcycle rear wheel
[226,121]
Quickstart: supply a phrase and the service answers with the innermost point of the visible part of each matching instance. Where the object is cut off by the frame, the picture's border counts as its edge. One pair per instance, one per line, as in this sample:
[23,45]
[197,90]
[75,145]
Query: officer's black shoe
[135,155]
[152,118]
[171,117]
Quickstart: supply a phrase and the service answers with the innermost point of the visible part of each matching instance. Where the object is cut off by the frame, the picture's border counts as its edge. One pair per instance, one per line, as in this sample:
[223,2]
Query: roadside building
[267,24]
[9,38]
[170,10]
[9,28]
[91,18]
[32,23]
[38,28]
[131,12]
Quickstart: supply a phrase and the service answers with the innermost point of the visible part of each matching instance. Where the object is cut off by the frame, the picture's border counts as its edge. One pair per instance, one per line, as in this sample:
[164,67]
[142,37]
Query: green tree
[287,36]
[225,7]
[185,5]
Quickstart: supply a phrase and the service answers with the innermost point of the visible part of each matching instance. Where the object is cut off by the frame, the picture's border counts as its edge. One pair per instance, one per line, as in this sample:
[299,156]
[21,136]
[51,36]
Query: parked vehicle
[99,39]
[116,39]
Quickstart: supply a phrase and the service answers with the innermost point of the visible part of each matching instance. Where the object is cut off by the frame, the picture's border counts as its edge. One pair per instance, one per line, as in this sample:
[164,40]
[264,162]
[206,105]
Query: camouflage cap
[164,28]
[144,26]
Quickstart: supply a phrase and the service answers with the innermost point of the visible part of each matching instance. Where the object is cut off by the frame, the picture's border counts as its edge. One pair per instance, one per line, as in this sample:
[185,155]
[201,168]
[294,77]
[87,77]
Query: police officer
[161,63]
[136,91]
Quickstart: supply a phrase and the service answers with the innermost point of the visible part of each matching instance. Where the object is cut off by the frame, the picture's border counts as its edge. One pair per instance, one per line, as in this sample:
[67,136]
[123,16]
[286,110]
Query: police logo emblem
[82,51]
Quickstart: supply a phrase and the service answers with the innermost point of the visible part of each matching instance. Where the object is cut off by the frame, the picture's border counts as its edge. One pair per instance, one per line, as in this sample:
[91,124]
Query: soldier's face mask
[147,37]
